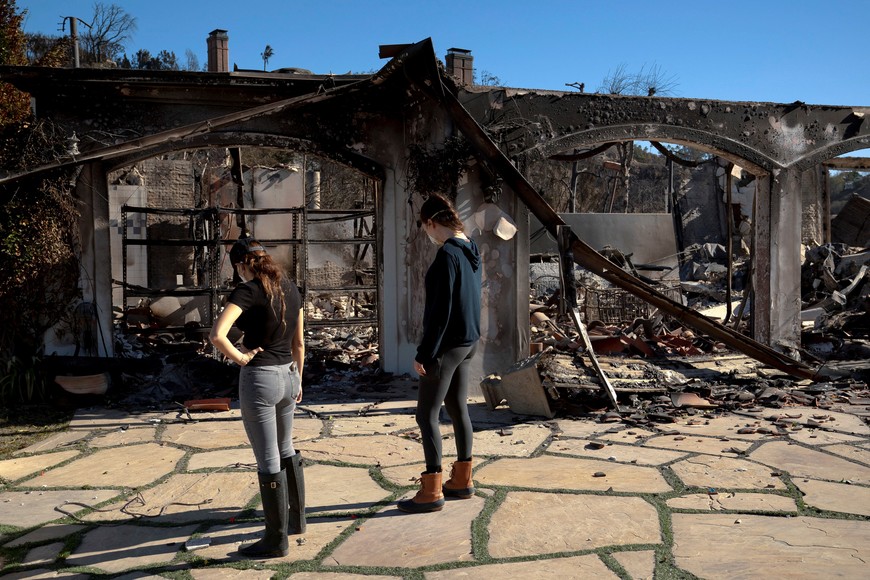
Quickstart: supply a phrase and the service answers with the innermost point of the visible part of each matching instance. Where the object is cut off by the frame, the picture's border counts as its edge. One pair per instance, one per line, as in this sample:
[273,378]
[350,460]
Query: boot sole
[265,555]
[422,508]
[458,493]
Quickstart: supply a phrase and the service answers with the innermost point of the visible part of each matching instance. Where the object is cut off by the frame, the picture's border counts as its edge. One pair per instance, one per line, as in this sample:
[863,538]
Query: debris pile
[176,363]
[660,368]
[552,383]
[617,322]
[344,348]
[704,276]
[835,289]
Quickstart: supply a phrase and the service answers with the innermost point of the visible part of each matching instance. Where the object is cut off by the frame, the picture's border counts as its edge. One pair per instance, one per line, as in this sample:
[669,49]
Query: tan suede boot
[460,484]
[428,499]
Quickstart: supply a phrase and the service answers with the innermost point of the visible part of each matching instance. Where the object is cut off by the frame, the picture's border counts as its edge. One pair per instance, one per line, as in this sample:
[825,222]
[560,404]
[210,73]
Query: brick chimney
[460,65]
[218,51]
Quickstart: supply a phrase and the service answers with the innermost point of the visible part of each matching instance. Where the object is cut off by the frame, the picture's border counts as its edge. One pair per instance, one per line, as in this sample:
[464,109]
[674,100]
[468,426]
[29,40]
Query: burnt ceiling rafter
[363,96]
[232,138]
[722,146]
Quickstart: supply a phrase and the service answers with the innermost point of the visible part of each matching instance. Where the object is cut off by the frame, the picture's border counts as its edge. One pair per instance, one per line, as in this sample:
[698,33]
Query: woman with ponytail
[267,308]
[451,329]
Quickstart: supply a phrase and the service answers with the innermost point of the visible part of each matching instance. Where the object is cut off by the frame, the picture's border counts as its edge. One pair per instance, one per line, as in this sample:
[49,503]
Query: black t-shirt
[259,321]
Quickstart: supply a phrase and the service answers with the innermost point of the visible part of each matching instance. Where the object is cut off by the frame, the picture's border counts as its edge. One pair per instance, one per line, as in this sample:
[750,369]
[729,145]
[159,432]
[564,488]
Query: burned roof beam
[848,163]
[205,127]
[675,158]
[582,155]
[249,139]
[188,131]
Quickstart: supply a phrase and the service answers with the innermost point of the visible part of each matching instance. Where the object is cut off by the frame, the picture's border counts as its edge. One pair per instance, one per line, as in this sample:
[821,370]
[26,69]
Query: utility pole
[74,35]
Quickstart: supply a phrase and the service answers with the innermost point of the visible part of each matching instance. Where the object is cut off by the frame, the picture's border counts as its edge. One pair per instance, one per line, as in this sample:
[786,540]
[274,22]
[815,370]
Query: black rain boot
[295,493]
[274,544]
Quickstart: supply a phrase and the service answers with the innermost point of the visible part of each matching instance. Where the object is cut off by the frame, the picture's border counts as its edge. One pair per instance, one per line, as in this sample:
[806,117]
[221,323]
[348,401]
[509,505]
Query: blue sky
[743,50]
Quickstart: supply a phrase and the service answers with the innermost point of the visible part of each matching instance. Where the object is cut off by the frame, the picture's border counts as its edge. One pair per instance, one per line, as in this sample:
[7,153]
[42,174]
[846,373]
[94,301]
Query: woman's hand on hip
[247,355]
[421,370]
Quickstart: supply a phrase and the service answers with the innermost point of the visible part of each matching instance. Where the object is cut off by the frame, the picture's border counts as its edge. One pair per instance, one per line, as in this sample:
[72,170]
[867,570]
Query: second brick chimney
[460,65]
[218,51]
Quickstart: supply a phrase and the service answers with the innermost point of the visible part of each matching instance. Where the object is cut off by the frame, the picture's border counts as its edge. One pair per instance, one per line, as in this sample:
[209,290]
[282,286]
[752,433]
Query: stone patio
[122,493]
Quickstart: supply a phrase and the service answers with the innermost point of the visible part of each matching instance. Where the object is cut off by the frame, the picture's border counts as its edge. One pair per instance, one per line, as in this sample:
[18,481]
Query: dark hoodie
[452,314]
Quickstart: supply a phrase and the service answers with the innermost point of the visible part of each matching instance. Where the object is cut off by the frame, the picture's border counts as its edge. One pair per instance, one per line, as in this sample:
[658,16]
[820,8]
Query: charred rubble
[661,370]
[160,367]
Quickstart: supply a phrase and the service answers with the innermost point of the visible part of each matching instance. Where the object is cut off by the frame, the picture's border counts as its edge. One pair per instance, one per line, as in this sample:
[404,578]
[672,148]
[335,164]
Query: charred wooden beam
[583,154]
[142,145]
[675,158]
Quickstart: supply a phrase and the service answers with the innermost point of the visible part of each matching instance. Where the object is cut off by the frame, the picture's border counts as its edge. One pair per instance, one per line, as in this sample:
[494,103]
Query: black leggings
[446,381]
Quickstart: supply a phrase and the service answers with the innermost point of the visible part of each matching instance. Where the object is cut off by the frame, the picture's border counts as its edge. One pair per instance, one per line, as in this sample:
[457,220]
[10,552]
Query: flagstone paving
[186,497]
[802,462]
[45,554]
[798,547]
[230,574]
[30,508]
[117,548]
[551,472]
[12,469]
[304,428]
[127,466]
[223,459]
[206,434]
[836,497]
[517,441]
[56,441]
[585,522]
[849,452]
[699,444]
[126,436]
[226,539]
[777,492]
[726,472]
[341,489]
[746,502]
[47,532]
[640,564]
[554,569]
[615,452]
[413,539]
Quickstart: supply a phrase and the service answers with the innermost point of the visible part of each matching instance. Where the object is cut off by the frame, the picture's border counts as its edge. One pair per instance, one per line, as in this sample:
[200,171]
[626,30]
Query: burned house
[399,130]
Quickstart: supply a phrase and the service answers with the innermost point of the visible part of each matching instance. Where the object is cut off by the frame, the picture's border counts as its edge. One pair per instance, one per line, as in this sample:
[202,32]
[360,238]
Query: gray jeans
[267,396]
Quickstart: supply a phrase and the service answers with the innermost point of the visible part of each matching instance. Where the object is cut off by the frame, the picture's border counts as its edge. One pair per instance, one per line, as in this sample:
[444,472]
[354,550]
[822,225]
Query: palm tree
[266,55]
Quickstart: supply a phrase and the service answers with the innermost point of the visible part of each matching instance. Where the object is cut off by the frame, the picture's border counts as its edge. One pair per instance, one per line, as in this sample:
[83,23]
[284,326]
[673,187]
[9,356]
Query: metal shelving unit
[211,257]
[362,290]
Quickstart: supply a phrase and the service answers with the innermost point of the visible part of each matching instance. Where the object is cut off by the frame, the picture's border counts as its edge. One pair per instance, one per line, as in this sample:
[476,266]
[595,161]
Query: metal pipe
[729,219]
[572,202]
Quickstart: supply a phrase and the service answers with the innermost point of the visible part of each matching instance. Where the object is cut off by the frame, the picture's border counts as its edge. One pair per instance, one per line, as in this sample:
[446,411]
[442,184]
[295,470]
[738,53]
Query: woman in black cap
[267,307]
